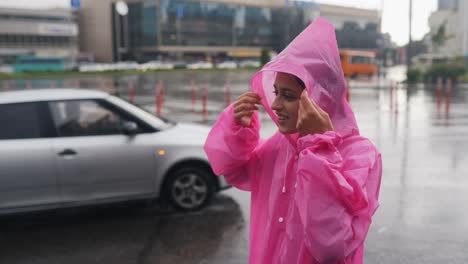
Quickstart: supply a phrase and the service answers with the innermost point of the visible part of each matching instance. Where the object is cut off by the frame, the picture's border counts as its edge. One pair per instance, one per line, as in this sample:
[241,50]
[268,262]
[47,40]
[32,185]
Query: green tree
[264,56]
[441,37]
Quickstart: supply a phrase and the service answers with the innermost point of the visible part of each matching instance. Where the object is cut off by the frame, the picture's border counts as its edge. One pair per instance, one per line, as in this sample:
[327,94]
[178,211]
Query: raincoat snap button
[281,220]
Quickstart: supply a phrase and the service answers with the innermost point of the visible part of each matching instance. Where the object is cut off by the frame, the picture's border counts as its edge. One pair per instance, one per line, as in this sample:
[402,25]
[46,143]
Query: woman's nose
[276,105]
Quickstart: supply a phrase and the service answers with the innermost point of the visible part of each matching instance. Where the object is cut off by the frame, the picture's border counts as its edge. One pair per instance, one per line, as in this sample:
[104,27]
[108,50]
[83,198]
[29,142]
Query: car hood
[187,134]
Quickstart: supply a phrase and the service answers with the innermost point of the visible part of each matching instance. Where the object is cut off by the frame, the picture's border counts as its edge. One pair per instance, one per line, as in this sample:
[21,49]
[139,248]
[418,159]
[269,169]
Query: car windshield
[159,122]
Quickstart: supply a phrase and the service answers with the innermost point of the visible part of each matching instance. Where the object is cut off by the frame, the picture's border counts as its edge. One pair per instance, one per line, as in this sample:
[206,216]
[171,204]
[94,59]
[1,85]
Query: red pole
[204,98]
[159,98]
[396,97]
[112,88]
[6,86]
[103,85]
[439,93]
[449,86]
[194,95]
[131,92]
[156,100]
[161,84]
[228,93]
[391,95]
[448,95]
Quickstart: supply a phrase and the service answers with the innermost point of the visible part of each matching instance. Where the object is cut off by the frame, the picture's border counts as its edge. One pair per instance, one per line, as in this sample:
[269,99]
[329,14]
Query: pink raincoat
[312,197]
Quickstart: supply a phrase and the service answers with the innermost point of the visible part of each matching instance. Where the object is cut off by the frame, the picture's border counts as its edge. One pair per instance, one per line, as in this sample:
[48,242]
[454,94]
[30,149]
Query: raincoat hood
[314,58]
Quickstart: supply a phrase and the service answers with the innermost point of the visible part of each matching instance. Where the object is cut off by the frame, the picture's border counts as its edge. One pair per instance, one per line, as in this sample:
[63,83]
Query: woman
[315,184]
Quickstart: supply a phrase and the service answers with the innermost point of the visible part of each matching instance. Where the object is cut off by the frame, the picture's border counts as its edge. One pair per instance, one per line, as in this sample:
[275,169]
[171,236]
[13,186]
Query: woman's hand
[311,118]
[245,106]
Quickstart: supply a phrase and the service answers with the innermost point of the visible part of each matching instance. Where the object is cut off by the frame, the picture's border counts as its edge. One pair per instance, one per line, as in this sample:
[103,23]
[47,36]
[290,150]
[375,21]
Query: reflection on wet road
[422,134]
[421,131]
[130,233]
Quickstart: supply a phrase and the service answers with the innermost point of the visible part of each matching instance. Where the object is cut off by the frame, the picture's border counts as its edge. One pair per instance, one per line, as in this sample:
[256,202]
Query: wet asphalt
[421,131]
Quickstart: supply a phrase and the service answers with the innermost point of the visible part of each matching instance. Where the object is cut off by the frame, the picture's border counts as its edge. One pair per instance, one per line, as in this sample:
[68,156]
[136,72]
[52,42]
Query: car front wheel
[189,189]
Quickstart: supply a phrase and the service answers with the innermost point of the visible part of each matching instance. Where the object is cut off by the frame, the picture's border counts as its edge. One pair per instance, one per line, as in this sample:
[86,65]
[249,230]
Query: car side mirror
[129,128]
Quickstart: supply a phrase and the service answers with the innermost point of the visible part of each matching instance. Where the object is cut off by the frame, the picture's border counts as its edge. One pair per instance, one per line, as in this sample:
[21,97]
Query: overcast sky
[394,19]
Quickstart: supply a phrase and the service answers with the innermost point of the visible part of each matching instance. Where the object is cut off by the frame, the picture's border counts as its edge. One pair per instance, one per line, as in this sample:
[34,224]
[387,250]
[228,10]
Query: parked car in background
[357,62]
[6,69]
[126,65]
[96,67]
[200,65]
[423,62]
[156,65]
[101,67]
[89,67]
[249,64]
[179,64]
[227,65]
[68,147]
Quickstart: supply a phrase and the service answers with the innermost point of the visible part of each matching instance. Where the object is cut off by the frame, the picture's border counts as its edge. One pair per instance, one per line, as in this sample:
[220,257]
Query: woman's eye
[287,96]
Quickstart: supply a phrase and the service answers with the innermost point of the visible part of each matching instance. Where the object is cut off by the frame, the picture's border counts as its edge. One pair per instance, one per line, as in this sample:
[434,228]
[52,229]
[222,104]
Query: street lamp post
[462,9]
[408,49]
[122,40]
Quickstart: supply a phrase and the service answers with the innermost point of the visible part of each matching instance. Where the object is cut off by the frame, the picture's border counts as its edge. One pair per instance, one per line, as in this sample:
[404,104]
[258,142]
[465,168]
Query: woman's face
[286,104]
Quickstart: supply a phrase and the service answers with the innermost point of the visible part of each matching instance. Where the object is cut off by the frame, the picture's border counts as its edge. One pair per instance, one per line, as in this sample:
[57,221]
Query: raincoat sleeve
[231,148]
[338,184]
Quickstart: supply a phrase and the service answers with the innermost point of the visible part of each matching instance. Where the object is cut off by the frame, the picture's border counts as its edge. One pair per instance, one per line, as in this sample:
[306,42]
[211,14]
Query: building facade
[449,29]
[155,29]
[42,33]
[447,4]
[355,28]
[463,22]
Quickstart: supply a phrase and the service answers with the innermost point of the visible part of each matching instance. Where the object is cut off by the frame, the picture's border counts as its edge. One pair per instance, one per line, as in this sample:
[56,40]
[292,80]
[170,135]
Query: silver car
[70,147]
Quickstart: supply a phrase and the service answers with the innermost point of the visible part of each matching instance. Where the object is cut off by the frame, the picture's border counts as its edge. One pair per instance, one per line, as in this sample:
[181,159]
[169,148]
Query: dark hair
[301,83]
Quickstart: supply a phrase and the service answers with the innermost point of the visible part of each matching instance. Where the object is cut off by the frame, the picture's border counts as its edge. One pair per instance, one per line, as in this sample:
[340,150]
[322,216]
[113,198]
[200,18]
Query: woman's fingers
[311,118]
[245,107]
[249,100]
[301,111]
[250,94]
[239,115]
[307,106]
[316,106]
[249,97]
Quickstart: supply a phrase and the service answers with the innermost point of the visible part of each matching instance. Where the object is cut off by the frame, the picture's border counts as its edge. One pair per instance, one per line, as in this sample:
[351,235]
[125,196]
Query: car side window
[85,118]
[20,121]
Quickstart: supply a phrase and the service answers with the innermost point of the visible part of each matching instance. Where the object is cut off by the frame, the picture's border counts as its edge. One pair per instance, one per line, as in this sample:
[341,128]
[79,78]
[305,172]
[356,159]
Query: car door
[27,164]
[95,159]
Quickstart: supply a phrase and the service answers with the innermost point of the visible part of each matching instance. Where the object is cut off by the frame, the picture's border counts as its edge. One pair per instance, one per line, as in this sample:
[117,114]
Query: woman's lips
[281,118]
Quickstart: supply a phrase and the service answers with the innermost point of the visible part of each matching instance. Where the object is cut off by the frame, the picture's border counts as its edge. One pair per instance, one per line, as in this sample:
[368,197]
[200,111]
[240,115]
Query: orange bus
[356,62]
